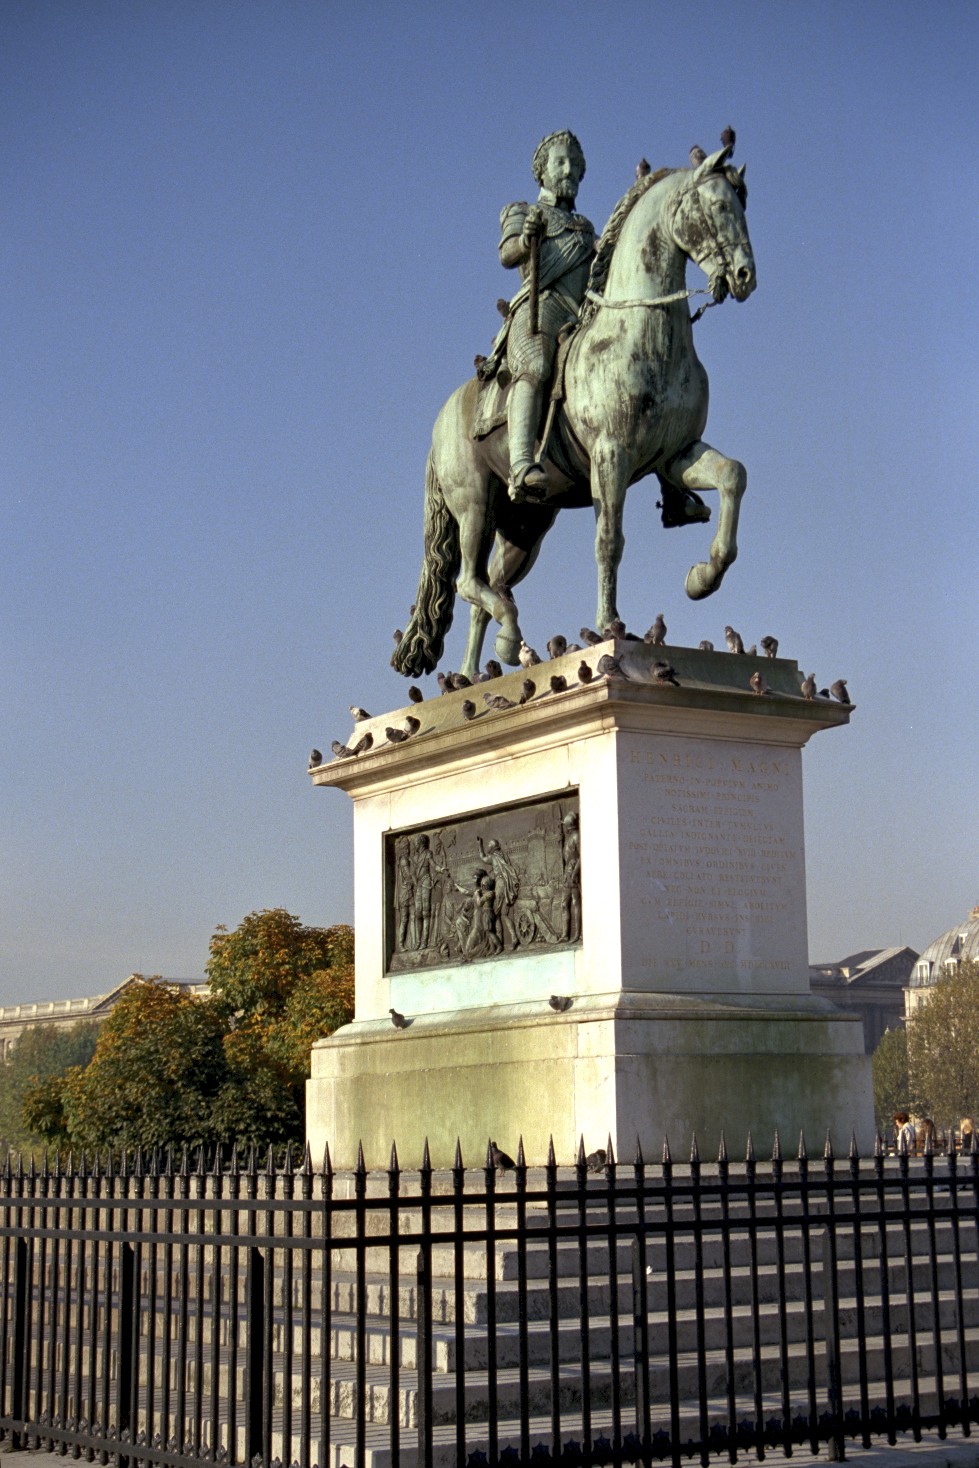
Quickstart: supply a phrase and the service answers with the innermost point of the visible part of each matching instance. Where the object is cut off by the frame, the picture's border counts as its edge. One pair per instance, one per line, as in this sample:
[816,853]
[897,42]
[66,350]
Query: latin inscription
[711,861]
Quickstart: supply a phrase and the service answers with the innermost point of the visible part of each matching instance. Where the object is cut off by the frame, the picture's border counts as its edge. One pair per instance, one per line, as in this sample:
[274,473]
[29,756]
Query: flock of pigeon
[607,666]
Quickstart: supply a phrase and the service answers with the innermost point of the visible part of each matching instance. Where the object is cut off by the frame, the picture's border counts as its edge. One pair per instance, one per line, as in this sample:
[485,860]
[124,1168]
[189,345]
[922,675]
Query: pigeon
[494,669]
[527,690]
[557,647]
[758,684]
[558,684]
[468,709]
[809,687]
[590,637]
[398,736]
[769,646]
[706,646]
[528,657]
[358,715]
[619,629]
[733,640]
[596,1161]
[343,751]
[560,1002]
[416,695]
[838,690]
[824,693]
[609,667]
[398,1020]
[503,306]
[642,169]
[315,758]
[497,701]
[663,673]
[442,679]
[397,634]
[697,155]
[502,1161]
[573,647]
[728,137]
[656,634]
[457,680]
[585,674]
[752,651]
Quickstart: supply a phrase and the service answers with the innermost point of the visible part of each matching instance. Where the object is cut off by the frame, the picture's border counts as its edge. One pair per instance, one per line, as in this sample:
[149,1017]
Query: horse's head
[709,225]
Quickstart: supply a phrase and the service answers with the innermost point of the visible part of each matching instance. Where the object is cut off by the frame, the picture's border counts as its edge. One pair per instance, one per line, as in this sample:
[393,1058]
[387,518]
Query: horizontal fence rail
[223,1311]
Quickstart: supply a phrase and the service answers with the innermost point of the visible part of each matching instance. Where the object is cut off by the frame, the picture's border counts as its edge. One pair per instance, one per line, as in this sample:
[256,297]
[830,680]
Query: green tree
[892,1085]
[171,1069]
[158,1064]
[41,1052]
[943,1047]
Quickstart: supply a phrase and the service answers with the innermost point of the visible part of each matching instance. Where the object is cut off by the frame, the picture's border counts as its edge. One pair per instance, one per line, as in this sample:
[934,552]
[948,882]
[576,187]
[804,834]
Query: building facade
[61,1013]
[942,958]
[873,983]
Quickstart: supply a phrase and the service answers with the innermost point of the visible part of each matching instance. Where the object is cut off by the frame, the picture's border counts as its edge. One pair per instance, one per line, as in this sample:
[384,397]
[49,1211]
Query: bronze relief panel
[503,882]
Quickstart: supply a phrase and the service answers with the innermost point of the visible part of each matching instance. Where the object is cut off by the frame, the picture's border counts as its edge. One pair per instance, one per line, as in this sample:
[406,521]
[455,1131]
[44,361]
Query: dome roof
[952,948]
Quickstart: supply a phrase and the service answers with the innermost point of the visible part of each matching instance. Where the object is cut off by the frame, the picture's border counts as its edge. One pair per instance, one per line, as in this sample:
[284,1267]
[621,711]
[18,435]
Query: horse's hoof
[508,649]
[701,581]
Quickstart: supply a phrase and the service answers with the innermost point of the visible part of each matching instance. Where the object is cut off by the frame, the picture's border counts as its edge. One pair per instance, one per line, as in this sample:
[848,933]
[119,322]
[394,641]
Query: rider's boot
[528,479]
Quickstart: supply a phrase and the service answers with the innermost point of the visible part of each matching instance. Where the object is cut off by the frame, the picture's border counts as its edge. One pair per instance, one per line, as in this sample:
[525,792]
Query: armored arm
[519,224]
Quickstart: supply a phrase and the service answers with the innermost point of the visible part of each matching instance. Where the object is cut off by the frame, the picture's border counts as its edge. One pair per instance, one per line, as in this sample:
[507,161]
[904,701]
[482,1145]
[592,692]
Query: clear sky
[249,248]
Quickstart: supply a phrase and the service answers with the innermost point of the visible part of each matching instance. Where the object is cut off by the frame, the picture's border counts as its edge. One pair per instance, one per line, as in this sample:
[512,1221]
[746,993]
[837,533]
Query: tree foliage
[42,1054]
[943,1047]
[172,1070]
[892,1085]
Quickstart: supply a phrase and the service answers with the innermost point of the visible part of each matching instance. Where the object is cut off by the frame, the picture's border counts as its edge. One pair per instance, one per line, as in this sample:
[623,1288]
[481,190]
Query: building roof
[956,945]
[89,1008]
[890,966]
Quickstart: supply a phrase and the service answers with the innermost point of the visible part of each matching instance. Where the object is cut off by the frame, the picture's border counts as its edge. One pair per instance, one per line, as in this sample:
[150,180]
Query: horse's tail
[421,644]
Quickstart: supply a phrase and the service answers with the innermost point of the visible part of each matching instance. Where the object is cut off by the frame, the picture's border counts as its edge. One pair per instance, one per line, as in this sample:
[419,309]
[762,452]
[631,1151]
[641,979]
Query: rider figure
[567,243]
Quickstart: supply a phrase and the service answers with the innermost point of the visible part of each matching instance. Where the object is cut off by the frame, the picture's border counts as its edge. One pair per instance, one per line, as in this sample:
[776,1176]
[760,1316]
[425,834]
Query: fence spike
[426,1158]
[393,1166]
[580,1159]
[7,1170]
[233,1165]
[639,1160]
[929,1142]
[287,1167]
[854,1149]
[828,1148]
[361,1168]
[307,1168]
[776,1147]
[489,1165]
[32,1170]
[694,1150]
[551,1159]
[457,1164]
[138,1163]
[521,1159]
[722,1149]
[45,1174]
[802,1154]
[878,1144]
[184,1169]
[749,1151]
[327,1161]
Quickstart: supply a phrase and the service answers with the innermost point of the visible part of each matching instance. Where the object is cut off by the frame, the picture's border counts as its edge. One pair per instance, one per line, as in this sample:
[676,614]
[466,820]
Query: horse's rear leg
[701,467]
[487,601]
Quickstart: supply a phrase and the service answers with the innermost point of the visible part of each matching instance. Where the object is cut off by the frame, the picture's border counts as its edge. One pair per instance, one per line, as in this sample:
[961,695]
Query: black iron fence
[229,1312]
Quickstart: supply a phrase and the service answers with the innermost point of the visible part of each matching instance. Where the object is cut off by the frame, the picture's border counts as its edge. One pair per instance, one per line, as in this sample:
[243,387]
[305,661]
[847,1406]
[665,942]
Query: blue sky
[250,248]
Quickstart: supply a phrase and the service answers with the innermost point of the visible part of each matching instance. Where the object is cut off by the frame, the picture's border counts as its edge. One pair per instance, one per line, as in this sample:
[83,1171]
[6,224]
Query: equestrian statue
[606,327]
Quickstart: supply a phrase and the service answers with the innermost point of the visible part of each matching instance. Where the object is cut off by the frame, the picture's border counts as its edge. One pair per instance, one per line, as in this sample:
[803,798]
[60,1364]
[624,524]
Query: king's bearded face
[561,174]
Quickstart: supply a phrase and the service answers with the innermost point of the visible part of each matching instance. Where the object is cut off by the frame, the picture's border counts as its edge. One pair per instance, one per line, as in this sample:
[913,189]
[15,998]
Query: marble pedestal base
[690,1007]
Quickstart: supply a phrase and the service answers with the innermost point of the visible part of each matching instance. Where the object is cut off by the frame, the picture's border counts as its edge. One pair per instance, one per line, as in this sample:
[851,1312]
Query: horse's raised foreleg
[609,481]
[701,467]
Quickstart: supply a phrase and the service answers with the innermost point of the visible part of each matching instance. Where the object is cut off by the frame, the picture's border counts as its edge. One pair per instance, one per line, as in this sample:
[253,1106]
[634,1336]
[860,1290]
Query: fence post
[22,1280]
[424,1352]
[127,1347]
[831,1316]
[255,1361]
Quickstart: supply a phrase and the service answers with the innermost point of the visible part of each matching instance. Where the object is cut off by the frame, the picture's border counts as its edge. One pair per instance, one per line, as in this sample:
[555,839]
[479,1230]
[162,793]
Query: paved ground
[956,1451]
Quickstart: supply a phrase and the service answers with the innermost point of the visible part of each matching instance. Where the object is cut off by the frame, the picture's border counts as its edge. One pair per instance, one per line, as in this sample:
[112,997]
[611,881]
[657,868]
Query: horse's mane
[598,275]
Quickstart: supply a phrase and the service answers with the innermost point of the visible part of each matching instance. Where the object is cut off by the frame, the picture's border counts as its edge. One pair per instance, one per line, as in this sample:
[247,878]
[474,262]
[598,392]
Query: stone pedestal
[690,1006]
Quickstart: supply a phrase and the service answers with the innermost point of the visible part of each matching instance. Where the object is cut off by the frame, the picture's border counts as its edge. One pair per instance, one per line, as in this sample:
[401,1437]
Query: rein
[658,301]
